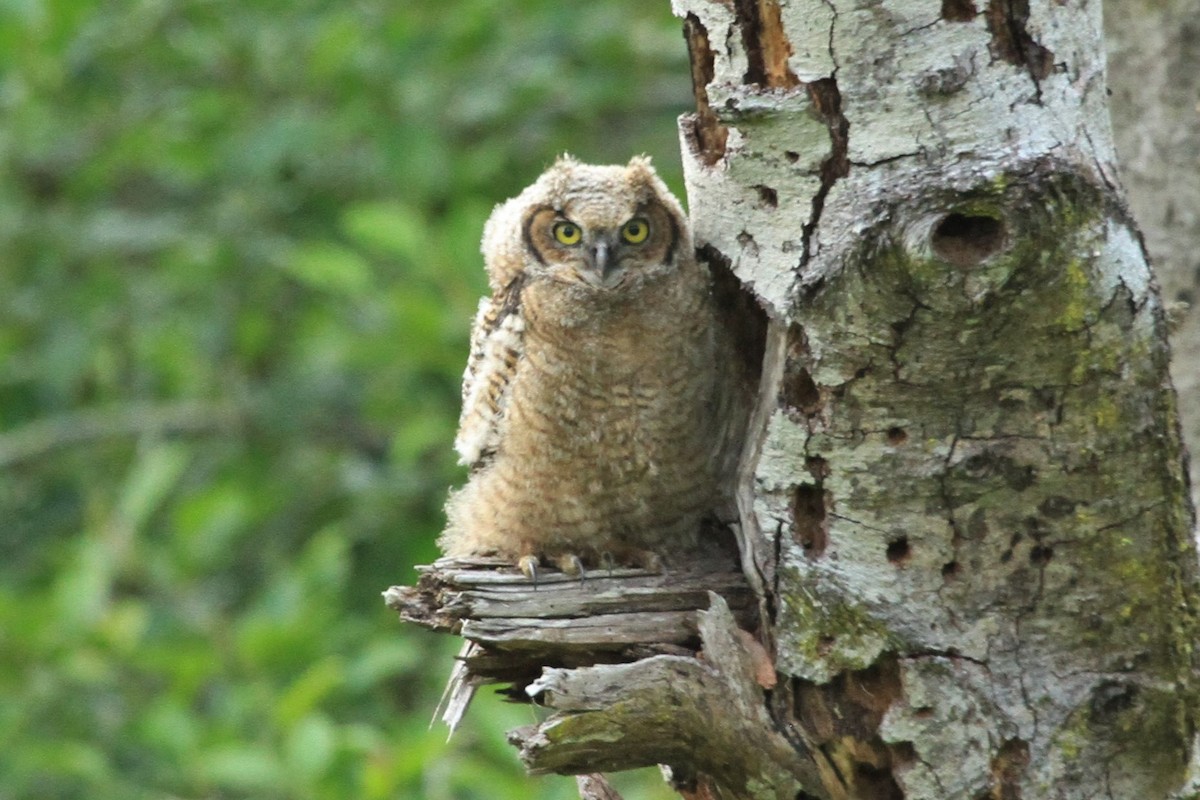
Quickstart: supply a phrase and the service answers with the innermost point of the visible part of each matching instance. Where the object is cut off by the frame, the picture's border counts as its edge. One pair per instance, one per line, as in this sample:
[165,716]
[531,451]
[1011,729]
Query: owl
[593,395]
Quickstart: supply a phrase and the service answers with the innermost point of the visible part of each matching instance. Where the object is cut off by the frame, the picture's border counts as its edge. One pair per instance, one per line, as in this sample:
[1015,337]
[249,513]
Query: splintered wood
[606,617]
[514,628]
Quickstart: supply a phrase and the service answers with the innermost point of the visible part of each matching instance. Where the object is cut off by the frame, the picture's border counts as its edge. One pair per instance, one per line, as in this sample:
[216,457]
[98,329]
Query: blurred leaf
[169,728]
[155,473]
[308,691]
[125,626]
[381,660]
[242,767]
[310,749]
[207,524]
[330,267]
[390,228]
[83,585]
[420,431]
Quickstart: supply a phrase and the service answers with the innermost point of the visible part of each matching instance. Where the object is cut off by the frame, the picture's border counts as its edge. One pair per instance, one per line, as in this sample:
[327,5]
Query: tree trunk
[962,501]
[1154,72]
[970,493]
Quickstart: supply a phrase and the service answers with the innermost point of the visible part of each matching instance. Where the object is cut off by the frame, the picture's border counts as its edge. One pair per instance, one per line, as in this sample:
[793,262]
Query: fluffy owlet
[592,399]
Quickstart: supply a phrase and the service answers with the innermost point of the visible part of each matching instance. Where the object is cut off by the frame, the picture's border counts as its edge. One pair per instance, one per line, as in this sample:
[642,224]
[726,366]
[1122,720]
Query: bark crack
[711,135]
[1018,618]
[933,773]
[827,102]
[882,161]
[1011,41]
[1110,182]
[951,568]
[860,523]
[916,28]
[951,654]
[1141,512]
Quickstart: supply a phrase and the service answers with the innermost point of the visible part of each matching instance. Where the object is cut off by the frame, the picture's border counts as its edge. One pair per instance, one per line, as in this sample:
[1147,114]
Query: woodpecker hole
[817,467]
[958,10]
[800,392]
[808,519]
[1040,555]
[967,241]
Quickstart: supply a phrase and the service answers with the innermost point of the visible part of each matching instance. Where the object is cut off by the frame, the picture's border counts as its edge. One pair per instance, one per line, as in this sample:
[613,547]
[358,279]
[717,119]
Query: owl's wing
[496,344]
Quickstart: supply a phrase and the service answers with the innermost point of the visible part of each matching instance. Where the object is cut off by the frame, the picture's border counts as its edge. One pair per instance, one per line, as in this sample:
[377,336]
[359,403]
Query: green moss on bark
[1010,420]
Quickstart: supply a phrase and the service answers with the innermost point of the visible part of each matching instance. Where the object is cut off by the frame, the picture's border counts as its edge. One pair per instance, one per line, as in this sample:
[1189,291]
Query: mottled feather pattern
[495,349]
[594,388]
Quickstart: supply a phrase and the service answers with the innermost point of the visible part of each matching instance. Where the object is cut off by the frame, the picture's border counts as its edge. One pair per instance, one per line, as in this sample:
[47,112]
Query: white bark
[972,470]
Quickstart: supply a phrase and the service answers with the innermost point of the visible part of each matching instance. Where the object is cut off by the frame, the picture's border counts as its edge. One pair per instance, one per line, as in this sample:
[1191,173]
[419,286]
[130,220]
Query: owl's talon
[529,568]
[649,561]
[571,565]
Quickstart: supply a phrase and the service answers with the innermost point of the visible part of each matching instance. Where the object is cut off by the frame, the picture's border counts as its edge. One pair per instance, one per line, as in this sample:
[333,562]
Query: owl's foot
[567,563]
[648,560]
[529,568]
[643,559]
[570,564]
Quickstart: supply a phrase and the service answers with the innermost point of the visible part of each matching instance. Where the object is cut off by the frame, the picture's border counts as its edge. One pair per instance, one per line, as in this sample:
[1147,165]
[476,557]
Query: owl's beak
[600,258]
[601,261]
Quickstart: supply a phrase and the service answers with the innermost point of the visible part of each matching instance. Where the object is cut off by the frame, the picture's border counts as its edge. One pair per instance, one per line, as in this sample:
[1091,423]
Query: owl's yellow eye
[567,233]
[635,231]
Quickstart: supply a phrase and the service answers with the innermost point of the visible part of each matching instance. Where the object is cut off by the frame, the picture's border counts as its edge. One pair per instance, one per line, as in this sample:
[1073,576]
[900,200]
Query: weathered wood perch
[643,668]
[561,621]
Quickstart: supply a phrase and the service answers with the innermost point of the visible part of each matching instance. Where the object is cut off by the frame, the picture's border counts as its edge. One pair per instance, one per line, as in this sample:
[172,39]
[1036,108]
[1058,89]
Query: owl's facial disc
[603,248]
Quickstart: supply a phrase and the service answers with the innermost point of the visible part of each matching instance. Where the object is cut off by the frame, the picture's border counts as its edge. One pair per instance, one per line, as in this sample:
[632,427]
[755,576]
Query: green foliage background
[238,260]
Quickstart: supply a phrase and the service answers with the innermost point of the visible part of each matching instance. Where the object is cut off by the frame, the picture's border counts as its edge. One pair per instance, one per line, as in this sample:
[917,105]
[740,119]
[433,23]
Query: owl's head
[599,228]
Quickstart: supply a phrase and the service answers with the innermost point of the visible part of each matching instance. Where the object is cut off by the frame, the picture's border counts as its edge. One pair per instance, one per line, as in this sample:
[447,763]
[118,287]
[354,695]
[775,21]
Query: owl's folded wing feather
[496,342]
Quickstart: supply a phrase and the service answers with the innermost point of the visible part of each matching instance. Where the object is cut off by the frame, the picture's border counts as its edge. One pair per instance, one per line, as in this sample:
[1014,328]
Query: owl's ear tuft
[640,167]
[640,173]
[556,181]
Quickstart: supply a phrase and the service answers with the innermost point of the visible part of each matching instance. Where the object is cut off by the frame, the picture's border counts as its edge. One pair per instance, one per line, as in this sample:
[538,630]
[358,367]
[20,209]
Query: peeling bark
[1007,22]
[709,132]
